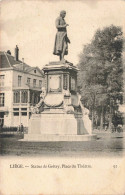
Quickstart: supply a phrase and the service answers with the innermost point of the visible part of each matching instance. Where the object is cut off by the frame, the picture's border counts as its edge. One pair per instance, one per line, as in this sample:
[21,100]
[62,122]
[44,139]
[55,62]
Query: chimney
[16,53]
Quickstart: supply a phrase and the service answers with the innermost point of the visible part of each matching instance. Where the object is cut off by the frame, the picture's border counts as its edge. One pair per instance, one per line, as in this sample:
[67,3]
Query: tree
[100,77]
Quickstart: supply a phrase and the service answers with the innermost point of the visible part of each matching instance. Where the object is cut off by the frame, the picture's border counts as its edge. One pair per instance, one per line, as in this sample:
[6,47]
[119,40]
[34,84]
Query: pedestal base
[50,127]
[59,123]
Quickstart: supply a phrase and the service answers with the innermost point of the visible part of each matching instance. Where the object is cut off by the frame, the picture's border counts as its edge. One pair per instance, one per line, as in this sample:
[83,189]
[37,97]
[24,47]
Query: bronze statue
[61,39]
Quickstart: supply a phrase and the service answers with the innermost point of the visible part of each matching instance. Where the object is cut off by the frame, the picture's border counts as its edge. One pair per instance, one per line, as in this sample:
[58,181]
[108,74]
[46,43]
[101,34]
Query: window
[15,109]
[16,97]
[34,71]
[23,109]
[2,79]
[40,83]
[34,98]
[19,81]
[1,99]
[28,81]
[24,113]
[34,82]
[24,97]
[16,113]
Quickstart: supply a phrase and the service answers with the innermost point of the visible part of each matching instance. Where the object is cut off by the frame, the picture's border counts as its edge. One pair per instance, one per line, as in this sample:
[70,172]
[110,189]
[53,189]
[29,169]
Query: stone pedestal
[61,118]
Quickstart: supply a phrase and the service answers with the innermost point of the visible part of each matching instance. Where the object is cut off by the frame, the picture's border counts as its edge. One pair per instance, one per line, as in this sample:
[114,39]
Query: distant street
[106,145]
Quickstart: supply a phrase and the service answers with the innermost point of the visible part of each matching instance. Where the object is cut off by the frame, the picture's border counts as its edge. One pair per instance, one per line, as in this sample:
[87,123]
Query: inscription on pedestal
[54,83]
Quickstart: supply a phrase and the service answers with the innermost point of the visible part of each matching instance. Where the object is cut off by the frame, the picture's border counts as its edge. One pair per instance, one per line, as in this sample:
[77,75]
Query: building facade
[20,88]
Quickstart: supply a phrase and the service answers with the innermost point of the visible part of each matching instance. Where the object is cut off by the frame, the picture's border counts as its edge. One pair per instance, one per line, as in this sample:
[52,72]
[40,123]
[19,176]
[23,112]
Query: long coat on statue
[61,37]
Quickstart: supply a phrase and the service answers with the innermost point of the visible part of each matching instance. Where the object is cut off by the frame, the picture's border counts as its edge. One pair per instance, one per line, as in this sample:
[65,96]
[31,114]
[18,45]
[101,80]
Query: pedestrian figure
[21,128]
[18,129]
[112,128]
[0,124]
[119,128]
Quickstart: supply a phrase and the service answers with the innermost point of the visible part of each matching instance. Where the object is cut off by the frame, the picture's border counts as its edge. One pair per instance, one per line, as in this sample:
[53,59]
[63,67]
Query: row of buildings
[20,88]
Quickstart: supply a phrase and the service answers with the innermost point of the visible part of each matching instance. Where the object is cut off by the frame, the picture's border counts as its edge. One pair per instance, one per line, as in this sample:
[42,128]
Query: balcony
[21,104]
[34,86]
[28,86]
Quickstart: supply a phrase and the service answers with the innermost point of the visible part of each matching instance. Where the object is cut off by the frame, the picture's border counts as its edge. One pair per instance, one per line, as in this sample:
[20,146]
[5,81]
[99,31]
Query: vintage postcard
[62,104]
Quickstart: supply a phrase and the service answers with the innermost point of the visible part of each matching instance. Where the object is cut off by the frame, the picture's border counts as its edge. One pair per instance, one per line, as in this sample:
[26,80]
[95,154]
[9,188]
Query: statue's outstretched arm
[58,26]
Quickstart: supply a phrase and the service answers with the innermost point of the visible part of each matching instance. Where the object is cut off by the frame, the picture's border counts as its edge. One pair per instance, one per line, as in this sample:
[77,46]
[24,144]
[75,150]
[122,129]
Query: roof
[8,61]
[4,61]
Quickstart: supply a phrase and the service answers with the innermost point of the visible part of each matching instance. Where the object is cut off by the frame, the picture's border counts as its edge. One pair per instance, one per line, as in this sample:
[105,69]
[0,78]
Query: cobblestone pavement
[106,145]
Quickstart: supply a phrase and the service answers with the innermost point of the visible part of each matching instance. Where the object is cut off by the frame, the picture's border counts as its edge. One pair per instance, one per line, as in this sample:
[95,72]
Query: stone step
[53,138]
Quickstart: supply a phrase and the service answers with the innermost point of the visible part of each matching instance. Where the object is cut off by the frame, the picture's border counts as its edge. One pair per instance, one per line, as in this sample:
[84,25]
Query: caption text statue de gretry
[60,115]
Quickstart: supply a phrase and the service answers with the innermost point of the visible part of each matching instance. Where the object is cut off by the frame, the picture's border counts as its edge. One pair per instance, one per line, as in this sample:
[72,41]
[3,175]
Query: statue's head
[63,13]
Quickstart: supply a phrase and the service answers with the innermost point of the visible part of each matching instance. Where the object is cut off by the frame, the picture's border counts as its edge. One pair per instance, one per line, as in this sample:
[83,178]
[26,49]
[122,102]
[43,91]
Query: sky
[30,24]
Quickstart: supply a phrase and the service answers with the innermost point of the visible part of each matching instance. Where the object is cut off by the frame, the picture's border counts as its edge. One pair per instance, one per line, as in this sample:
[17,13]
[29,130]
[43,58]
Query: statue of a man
[61,39]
